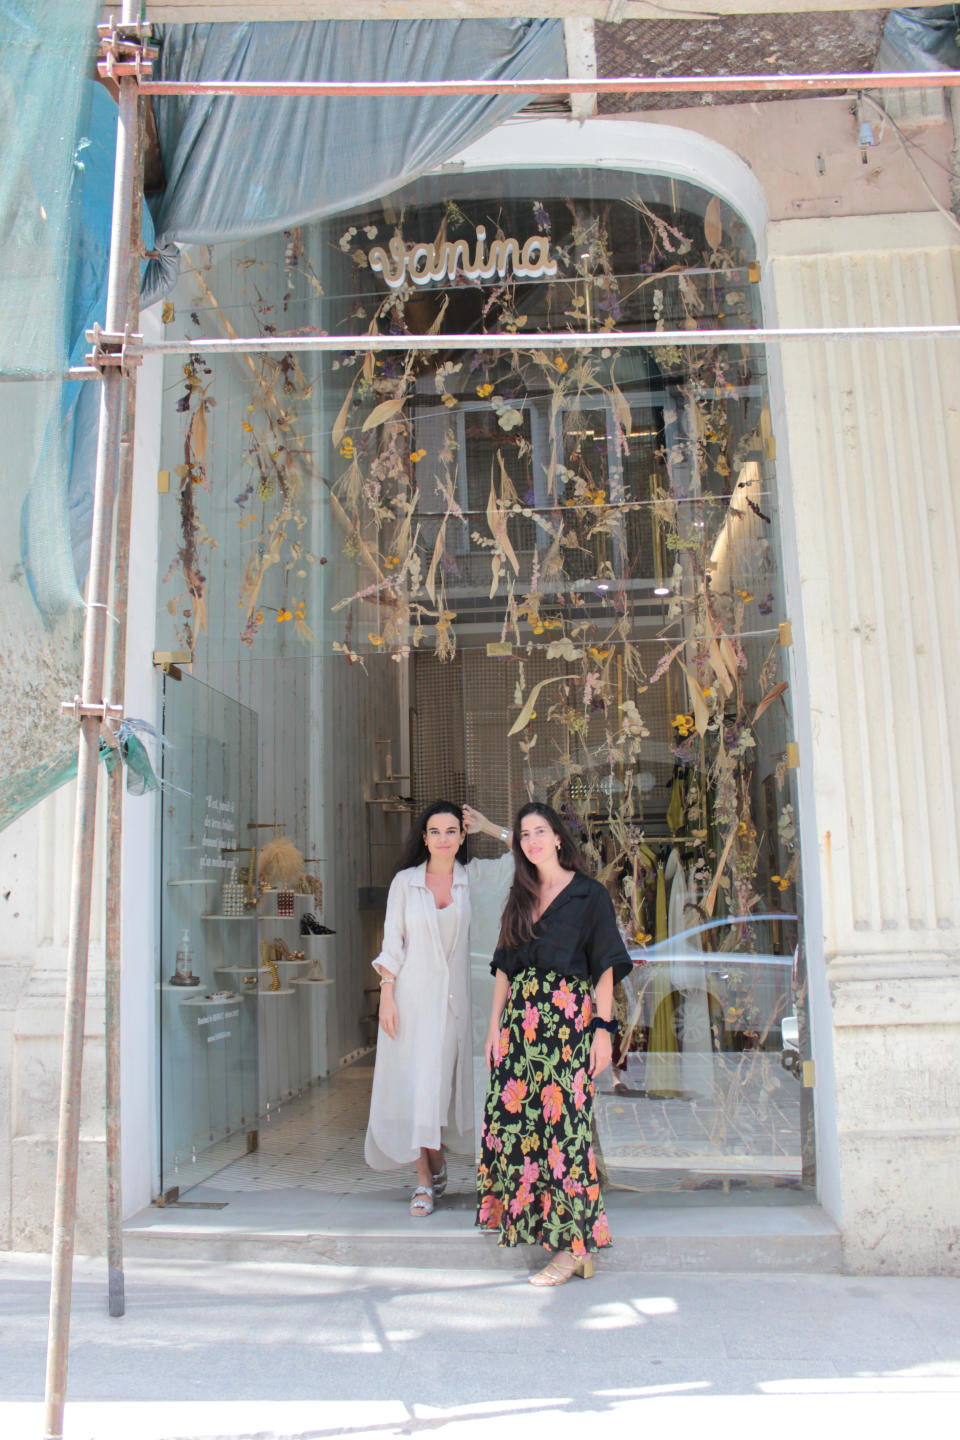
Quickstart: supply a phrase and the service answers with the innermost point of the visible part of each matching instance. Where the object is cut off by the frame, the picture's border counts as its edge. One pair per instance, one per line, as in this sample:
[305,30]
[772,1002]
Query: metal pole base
[115,1295]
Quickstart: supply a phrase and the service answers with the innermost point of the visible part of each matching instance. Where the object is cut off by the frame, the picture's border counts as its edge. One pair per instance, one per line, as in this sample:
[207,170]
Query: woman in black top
[548,1038]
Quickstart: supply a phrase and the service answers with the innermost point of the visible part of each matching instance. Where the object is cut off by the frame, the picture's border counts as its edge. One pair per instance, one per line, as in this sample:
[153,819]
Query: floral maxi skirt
[537,1179]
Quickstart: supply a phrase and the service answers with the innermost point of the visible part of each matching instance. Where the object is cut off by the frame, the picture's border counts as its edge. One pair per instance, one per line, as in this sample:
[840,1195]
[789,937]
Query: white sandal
[440,1179]
[421,1202]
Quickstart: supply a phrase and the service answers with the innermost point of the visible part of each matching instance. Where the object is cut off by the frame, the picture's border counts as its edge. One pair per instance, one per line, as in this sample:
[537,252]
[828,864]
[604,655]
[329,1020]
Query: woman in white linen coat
[423,1079]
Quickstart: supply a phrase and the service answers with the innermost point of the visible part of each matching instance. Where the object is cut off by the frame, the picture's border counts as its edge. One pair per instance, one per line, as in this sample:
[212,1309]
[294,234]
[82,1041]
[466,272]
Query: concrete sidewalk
[255,1350]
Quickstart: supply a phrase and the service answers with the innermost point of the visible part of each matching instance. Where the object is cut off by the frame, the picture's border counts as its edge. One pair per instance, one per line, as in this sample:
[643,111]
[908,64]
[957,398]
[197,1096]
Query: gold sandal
[557,1272]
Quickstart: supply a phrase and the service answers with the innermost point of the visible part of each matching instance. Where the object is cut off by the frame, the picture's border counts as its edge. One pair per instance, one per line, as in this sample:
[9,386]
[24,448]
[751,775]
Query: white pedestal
[316,1005]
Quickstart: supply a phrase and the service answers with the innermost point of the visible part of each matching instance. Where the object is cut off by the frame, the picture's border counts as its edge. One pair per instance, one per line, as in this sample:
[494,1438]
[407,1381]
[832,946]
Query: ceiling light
[661,589]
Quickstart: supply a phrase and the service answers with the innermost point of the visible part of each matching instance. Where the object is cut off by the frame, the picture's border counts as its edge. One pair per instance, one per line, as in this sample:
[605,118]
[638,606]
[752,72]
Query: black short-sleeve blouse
[576,935]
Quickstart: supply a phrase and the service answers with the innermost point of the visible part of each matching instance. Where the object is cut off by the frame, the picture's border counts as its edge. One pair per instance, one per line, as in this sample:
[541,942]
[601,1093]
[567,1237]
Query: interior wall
[360,840]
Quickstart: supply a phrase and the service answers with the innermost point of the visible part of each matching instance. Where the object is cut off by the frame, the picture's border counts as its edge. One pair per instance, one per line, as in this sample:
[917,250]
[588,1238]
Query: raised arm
[477,824]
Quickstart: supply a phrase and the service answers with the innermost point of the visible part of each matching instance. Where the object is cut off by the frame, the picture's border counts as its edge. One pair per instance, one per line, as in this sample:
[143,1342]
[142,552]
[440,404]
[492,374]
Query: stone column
[873,431]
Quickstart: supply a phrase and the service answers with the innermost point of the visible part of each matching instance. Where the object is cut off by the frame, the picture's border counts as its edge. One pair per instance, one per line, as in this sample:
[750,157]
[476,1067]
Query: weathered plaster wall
[806,154]
[35,868]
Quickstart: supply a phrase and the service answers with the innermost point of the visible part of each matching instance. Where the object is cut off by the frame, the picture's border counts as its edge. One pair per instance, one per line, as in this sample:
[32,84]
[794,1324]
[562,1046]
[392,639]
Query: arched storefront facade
[532,571]
[498,531]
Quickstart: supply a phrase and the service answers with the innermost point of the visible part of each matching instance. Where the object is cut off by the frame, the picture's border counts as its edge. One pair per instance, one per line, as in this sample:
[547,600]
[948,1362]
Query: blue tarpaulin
[235,169]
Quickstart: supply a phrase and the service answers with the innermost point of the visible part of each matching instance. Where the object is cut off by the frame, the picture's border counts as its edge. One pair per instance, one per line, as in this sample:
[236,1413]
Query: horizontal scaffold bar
[533,340]
[618,85]
[545,340]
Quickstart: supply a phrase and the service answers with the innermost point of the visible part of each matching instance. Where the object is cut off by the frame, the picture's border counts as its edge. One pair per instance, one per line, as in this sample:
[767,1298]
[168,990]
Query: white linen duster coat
[407,1110]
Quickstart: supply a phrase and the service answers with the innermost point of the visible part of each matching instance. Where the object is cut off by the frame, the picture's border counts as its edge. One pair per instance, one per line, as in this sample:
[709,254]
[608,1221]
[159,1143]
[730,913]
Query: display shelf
[228,917]
[206,880]
[226,999]
[305,980]
[236,969]
[283,991]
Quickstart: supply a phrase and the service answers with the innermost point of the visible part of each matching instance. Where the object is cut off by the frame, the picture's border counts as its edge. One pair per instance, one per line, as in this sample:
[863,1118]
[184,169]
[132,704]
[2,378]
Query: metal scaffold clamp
[101,710]
[124,50]
[111,348]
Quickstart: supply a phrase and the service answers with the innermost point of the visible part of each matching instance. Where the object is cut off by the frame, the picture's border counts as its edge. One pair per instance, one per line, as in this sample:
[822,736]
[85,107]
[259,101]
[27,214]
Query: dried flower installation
[606,515]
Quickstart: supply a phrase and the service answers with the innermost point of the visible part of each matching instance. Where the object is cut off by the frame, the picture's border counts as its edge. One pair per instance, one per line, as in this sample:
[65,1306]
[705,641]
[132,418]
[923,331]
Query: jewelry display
[233,897]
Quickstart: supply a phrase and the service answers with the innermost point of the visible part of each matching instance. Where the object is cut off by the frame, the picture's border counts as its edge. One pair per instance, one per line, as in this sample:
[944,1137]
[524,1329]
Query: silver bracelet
[503,836]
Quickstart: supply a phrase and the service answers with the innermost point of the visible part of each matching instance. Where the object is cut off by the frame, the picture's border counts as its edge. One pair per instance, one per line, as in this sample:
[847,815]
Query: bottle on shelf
[183,974]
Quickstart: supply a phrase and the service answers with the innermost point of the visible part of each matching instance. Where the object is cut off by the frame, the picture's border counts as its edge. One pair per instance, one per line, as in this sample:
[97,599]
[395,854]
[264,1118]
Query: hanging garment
[661,1071]
[676,808]
[689,980]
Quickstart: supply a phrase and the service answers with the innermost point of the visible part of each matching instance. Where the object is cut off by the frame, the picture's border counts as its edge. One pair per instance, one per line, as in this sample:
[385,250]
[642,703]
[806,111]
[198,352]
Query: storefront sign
[424,264]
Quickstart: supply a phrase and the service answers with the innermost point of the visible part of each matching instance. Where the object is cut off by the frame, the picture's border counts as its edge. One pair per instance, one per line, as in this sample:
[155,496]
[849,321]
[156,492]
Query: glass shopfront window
[575,554]
[208,952]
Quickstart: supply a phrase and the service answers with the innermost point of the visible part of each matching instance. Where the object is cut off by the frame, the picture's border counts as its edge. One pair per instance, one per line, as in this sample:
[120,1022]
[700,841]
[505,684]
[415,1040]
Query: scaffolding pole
[116,1301]
[612,85]
[91,710]
[545,340]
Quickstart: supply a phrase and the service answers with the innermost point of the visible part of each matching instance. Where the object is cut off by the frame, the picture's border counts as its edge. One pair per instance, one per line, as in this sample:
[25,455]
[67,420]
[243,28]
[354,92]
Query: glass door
[208,934]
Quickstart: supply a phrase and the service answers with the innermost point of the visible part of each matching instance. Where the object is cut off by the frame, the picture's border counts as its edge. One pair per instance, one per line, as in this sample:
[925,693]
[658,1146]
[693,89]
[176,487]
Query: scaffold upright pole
[91,709]
[116,1300]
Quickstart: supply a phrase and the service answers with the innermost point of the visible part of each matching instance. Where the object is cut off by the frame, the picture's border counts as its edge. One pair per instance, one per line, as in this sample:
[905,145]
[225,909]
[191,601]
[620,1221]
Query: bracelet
[391,981]
[503,836]
[598,1023]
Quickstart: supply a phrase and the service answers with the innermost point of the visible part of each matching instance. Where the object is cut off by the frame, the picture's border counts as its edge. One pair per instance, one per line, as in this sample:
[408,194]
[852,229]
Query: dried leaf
[622,408]
[496,565]
[198,432]
[719,667]
[769,698]
[701,716]
[552,563]
[713,224]
[434,326]
[340,424]
[523,718]
[497,521]
[563,649]
[382,412]
[430,582]
[711,898]
[729,655]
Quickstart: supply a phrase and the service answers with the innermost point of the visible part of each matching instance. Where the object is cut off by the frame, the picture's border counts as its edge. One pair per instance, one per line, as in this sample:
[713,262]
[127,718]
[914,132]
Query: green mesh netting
[46,60]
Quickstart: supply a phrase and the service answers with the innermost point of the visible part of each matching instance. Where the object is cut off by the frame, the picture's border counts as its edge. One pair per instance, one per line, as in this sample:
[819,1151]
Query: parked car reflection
[695,992]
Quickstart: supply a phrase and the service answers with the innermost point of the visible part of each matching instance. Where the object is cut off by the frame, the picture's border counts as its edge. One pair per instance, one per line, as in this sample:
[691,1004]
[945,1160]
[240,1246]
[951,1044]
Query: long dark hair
[415,850]
[516,924]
